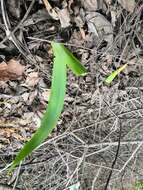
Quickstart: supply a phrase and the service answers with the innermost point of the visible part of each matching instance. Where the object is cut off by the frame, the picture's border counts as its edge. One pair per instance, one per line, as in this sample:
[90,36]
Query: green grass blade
[111,77]
[62,58]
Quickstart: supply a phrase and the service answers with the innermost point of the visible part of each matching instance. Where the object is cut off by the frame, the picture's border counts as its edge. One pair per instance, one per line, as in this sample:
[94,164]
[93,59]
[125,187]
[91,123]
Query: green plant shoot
[63,58]
[111,77]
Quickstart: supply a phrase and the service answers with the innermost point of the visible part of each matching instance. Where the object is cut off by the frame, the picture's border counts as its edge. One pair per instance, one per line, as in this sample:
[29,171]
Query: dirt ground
[98,142]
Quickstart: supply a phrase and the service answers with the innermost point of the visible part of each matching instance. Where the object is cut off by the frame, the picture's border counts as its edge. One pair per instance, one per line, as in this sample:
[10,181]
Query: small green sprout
[111,77]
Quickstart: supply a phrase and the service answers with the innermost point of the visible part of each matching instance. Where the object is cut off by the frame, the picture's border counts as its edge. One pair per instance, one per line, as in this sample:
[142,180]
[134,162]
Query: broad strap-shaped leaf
[62,58]
[111,77]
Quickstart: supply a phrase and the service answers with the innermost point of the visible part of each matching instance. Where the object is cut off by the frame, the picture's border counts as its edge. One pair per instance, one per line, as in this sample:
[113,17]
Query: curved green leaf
[62,58]
[68,58]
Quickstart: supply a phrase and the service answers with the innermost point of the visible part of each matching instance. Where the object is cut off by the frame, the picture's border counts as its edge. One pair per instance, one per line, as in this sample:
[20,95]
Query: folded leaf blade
[68,58]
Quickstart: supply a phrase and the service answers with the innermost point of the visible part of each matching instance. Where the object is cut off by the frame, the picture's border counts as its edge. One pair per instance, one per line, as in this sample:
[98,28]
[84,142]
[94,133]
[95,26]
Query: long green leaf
[62,58]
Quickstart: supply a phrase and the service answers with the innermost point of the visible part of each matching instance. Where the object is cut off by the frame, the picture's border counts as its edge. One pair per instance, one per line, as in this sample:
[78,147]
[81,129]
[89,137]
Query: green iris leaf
[63,58]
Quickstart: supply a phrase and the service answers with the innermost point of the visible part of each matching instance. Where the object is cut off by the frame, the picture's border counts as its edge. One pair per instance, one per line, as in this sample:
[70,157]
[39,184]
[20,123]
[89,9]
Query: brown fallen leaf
[15,67]
[100,26]
[29,97]
[32,79]
[64,17]
[46,95]
[10,70]
[129,5]
[3,71]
